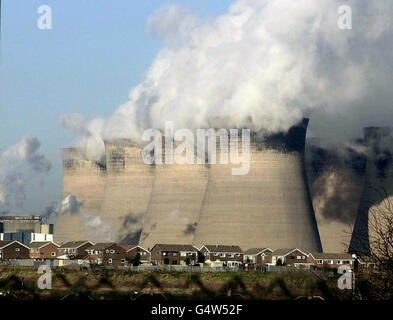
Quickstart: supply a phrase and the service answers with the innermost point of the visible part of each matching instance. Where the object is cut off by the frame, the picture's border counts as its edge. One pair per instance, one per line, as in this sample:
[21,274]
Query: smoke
[96,228]
[191,228]
[262,65]
[131,228]
[336,174]
[68,205]
[15,160]
[336,177]
[87,135]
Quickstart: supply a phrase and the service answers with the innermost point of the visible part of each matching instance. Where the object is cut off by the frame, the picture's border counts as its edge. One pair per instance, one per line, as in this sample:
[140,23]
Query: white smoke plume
[88,135]
[69,204]
[96,228]
[262,65]
[14,161]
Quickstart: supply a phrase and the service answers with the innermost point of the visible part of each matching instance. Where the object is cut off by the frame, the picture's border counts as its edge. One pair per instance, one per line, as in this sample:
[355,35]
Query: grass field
[16,283]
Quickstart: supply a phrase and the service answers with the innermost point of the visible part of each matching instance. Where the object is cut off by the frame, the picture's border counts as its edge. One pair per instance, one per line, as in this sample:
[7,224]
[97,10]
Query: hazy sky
[95,53]
[264,60]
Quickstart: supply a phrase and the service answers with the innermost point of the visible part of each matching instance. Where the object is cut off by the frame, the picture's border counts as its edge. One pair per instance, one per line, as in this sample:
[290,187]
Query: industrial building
[377,191]
[85,179]
[269,206]
[25,229]
[195,204]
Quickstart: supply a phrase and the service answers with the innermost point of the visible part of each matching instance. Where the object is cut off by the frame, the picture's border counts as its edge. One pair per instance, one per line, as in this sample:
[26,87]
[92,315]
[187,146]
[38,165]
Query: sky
[95,53]
[130,65]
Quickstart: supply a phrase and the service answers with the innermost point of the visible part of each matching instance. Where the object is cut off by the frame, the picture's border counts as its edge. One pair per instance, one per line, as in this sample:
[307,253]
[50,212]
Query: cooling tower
[268,207]
[175,204]
[378,184]
[128,188]
[335,188]
[85,180]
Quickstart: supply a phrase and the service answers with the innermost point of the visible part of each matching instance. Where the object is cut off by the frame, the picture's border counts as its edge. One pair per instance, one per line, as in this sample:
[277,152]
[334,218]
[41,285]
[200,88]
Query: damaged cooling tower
[268,207]
[175,203]
[85,180]
[378,187]
[128,189]
[335,186]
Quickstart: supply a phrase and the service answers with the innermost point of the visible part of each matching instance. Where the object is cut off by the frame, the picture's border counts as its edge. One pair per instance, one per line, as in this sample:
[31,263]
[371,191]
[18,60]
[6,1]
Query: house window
[237,254]
[299,257]
[216,254]
[96,252]
[174,253]
[320,261]
[222,254]
[53,254]
[17,249]
[339,262]
[110,260]
[107,251]
[303,257]
[112,251]
[123,260]
[230,255]
[330,261]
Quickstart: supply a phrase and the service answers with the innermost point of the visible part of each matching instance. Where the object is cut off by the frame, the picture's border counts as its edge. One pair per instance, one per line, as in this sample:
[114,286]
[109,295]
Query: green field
[17,283]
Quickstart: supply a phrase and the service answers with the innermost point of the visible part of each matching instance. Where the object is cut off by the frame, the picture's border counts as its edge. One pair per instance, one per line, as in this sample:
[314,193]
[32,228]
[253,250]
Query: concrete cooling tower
[268,207]
[85,179]
[128,187]
[378,187]
[335,186]
[175,203]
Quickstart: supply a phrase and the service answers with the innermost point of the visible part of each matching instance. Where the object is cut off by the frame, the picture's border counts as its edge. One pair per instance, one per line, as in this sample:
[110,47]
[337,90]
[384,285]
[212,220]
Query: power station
[195,204]
[85,179]
[270,206]
[378,185]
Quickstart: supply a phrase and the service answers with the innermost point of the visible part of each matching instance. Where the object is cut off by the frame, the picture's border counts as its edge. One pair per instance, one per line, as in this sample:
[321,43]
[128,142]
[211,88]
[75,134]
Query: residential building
[174,254]
[107,253]
[291,257]
[257,257]
[365,262]
[74,249]
[13,250]
[43,250]
[331,260]
[132,251]
[222,255]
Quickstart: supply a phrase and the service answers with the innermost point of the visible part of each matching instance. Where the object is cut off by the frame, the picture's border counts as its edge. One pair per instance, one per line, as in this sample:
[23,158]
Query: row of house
[230,256]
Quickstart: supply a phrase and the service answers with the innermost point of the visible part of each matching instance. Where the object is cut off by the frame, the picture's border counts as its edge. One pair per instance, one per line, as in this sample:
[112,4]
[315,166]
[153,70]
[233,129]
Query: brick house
[107,254]
[222,255]
[43,250]
[132,251]
[291,257]
[257,257]
[173,254]
[74,249]
[331,260]
[12,249]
